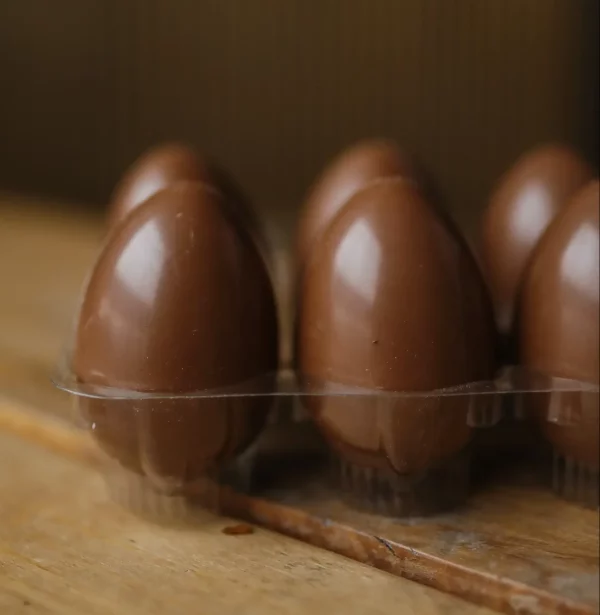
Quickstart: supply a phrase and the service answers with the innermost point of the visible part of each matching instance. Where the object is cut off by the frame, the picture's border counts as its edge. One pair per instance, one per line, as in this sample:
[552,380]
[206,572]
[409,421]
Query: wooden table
[64,547]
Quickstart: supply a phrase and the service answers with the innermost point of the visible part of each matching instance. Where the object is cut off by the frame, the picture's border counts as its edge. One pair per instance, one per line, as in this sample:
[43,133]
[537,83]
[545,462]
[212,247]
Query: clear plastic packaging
[167,453]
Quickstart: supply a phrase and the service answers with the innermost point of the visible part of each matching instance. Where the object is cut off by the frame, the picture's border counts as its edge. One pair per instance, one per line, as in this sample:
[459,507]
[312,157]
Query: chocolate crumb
[240,529]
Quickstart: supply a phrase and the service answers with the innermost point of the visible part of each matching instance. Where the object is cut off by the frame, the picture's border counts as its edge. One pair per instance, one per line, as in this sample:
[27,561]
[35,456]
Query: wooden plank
[514,547]
[65,549]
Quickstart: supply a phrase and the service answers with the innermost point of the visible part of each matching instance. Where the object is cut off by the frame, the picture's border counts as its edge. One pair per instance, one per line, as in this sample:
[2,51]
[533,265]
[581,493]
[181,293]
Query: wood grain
[65,548]
[514,548]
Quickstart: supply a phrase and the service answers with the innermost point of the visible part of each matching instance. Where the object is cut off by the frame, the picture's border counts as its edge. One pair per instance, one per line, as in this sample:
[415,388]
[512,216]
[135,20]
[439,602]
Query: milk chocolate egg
[168,164]
[156,169]
[559,324]
[178,302]
[393,302]
[525,201]
[352,169]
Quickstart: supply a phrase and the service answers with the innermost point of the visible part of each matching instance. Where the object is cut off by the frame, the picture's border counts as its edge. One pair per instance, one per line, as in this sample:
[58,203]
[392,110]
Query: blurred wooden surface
[45,252]
[64,548]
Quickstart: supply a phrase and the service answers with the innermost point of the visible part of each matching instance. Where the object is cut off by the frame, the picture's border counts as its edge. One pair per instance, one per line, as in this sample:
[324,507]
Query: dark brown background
[275,87]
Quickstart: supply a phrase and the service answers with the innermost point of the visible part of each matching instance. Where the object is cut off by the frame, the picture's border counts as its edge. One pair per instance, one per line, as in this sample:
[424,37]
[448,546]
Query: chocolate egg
[165,165]
[559,330]
[393,302]
[351,170]
[179,302]
[525,201]
[156,169]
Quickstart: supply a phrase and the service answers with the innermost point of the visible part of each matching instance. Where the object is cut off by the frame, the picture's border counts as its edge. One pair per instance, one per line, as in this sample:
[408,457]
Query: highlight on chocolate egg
[351,170]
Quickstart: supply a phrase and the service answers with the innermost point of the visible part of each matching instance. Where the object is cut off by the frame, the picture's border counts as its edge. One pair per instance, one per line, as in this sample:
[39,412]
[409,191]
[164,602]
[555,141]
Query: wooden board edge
[499,593]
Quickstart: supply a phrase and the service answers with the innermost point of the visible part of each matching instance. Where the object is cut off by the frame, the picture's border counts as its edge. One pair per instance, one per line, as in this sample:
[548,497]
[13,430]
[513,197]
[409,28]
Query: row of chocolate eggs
[389,299]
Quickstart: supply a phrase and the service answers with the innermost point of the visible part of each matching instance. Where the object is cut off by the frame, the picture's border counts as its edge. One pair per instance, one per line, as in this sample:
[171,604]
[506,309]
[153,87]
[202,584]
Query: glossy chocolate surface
[559,322]
[524,203]
[168,164]
[179,301]
[392,301]
[345,175]
[155,170]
